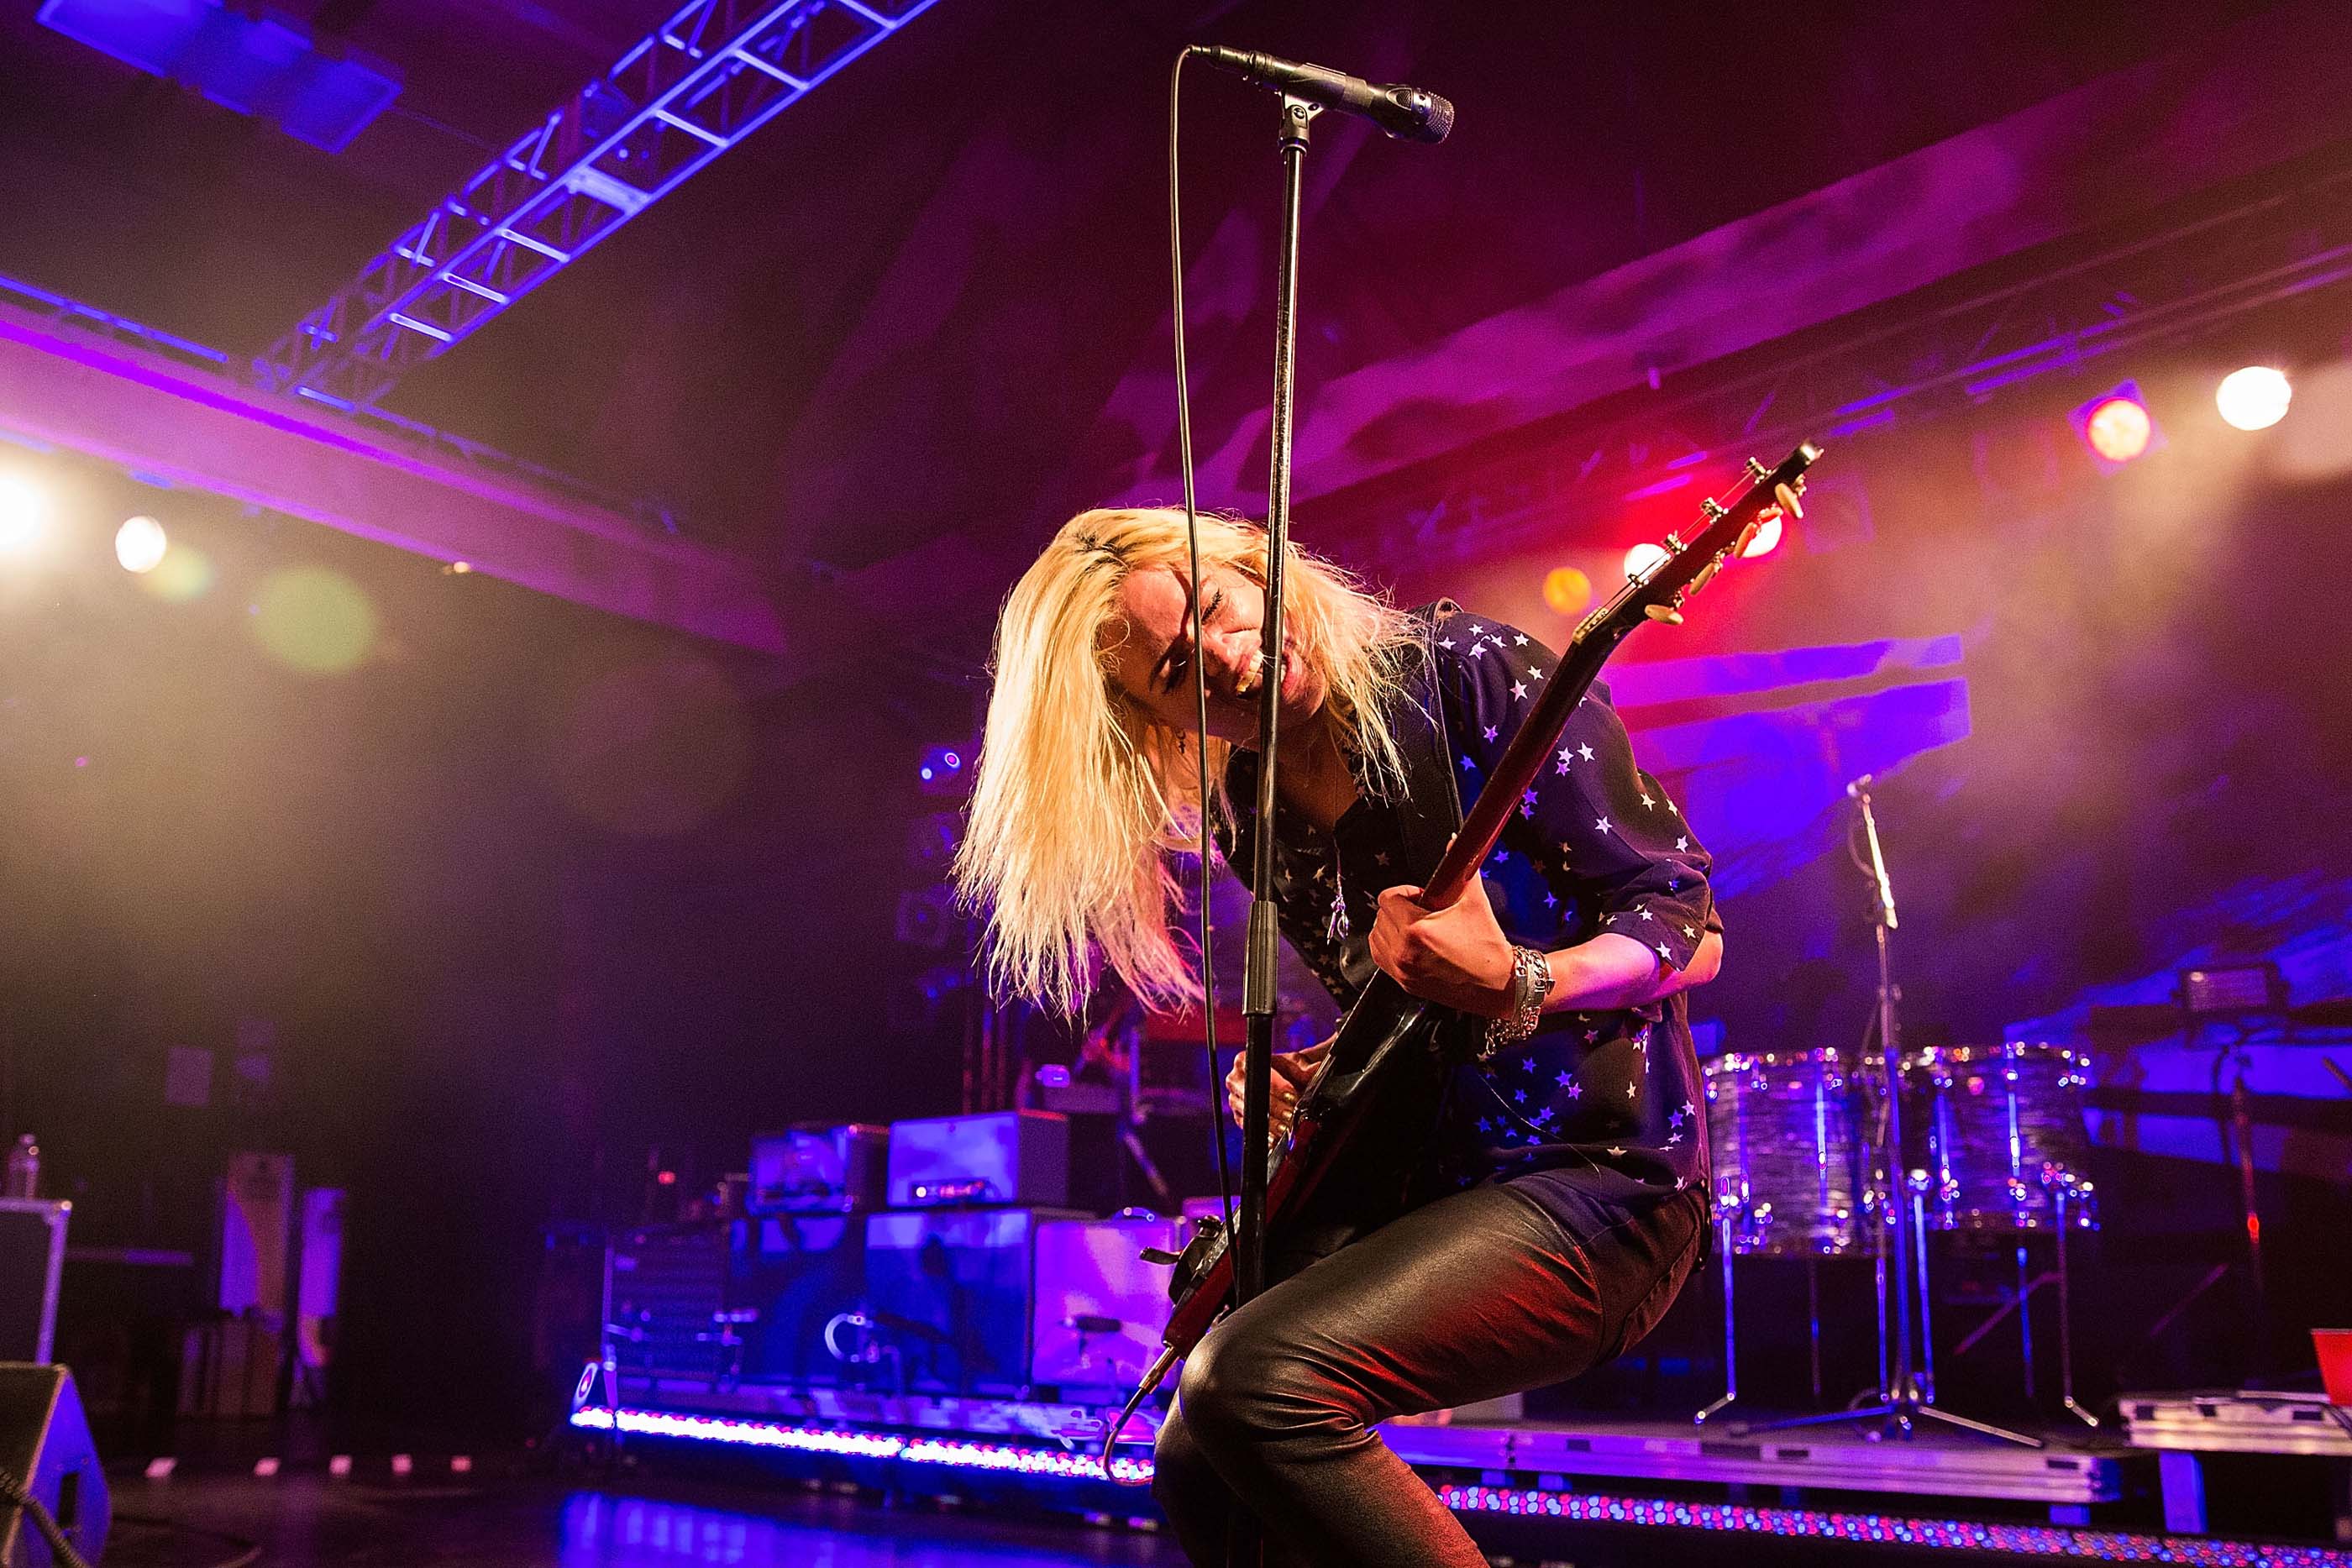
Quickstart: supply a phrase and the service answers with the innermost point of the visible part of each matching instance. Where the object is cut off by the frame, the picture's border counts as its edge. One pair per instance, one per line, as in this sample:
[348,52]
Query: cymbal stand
[1904,1397]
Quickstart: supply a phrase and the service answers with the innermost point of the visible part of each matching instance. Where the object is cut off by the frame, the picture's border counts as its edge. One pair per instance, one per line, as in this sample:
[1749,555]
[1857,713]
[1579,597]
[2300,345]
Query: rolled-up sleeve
[1604,836]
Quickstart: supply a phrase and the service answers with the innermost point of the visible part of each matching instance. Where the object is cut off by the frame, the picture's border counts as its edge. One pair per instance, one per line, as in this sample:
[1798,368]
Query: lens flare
[315,620]
[1643,557]
[1566,591]
[139,545]
[2254,398]
[183,573]
[24,514]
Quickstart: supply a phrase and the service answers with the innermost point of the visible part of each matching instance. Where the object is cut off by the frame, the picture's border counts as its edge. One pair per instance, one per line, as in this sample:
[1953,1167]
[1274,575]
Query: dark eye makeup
[1177,663]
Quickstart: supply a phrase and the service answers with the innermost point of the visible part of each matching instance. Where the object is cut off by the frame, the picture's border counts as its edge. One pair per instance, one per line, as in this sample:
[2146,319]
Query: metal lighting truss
[2180,277]
[707,78]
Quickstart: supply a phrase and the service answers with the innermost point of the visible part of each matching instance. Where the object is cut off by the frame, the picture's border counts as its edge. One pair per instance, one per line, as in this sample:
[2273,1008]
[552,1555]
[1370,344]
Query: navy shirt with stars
[1594,1105]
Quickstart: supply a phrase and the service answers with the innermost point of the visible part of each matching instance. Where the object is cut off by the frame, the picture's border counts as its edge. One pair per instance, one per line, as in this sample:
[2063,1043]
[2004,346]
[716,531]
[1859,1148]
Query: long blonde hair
[1080,796]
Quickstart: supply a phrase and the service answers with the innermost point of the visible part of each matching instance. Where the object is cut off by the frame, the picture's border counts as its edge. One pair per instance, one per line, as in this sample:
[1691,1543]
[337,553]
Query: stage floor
[315,1521]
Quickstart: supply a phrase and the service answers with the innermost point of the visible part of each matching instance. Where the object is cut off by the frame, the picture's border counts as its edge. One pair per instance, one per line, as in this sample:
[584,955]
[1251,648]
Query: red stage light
[2119,429]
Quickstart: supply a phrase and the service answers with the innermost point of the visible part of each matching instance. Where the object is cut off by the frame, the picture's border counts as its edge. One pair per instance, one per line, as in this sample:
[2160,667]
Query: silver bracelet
[1530,983]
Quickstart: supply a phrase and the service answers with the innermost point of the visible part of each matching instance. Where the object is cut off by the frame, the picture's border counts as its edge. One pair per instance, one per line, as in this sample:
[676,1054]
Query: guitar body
[1384,1032]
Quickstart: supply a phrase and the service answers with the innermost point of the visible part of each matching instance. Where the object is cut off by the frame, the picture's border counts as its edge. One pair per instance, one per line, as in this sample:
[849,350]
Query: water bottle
[24,1177]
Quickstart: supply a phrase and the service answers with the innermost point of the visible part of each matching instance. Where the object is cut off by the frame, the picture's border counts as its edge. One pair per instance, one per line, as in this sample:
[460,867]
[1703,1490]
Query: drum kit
[1989,1141]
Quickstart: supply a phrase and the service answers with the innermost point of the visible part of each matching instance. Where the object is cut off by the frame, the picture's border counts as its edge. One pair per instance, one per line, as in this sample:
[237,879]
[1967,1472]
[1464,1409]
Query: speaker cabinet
[44,1442]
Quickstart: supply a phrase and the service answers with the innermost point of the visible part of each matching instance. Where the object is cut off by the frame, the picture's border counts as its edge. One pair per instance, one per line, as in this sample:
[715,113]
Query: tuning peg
[1788,494]
[1665,614]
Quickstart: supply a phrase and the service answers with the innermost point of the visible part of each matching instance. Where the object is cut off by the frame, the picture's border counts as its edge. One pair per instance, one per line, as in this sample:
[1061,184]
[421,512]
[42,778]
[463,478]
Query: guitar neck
[1658,594]
[1482,827]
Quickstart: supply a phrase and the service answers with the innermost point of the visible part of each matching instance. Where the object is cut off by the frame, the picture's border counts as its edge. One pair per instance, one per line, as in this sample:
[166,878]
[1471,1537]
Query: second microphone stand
[1903,1396]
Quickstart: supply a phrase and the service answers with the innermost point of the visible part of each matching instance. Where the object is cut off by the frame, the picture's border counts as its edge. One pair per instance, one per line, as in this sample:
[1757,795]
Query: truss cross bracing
[707,78]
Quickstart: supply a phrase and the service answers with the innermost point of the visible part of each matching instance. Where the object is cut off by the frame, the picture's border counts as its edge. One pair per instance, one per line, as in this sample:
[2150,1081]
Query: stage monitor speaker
[789,1276]
[950,1294]
[45,1443]
[669,1302]
[1099,1307]
[818,1169]
[32,1255]
[1001,1157]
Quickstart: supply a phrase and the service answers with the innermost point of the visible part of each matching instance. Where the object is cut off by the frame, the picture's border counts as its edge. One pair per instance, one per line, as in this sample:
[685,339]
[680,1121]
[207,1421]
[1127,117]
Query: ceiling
[898,312]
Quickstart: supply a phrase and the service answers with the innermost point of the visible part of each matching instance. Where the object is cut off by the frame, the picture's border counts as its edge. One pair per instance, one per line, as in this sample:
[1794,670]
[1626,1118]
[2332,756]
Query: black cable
[244,1559]
[14,1491]
[1200,663]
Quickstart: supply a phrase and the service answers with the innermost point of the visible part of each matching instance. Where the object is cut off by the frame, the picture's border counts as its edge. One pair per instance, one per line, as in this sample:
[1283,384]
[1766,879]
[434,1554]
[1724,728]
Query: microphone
[1859,787]
[1405,112]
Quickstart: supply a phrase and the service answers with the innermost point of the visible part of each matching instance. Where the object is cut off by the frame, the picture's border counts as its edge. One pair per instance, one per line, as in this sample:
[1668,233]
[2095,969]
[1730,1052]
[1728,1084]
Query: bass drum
[1998,1130]
[1785,1134]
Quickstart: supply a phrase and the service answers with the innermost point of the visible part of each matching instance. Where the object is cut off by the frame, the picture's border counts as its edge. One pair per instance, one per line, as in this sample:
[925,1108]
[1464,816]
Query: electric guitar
[1387,1024]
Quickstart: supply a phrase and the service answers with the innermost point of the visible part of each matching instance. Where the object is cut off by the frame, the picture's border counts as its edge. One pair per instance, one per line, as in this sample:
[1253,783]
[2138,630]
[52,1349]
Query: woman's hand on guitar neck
[1292,1069]
[1456,956]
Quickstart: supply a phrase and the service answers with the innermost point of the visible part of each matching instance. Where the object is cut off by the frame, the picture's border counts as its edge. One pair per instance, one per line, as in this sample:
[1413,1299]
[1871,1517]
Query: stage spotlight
[2117,425]
[1769,529]
[1642,557]
[24,514]
[1566,591]
[2254,398]
[944,770]
[139,545]
[2118,430]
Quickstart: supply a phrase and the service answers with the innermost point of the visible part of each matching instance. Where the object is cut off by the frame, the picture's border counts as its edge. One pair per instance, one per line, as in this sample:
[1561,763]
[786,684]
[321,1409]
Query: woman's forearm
[1610,971]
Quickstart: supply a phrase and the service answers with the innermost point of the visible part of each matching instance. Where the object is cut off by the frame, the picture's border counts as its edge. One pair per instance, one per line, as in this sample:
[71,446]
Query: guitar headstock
[1724,529]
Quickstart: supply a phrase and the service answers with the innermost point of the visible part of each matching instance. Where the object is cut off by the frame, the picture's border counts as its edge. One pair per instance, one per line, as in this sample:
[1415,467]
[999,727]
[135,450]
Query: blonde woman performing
[1532,1213]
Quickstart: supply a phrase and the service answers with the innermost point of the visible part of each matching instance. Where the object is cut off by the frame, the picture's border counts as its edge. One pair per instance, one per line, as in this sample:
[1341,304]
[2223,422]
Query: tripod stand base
[1895,1417]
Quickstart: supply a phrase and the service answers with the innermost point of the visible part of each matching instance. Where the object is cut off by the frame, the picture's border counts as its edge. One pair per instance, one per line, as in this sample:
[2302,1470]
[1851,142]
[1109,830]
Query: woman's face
[1153,662]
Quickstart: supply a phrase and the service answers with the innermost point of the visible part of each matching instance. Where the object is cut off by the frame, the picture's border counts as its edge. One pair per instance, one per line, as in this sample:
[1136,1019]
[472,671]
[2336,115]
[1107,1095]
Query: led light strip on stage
[1585,1508]
[1892,1529]
[954,1452]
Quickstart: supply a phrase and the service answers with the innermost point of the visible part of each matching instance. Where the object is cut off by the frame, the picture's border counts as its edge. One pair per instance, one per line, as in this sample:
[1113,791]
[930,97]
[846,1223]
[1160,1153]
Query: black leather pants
[1471,1297]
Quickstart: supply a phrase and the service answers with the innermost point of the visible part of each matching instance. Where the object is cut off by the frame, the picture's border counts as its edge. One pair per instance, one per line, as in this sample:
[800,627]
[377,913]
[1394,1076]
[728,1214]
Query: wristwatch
[1530,983]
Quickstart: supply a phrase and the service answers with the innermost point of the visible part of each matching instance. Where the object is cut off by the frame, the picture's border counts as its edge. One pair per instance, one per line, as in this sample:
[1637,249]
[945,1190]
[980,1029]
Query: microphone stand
[1258,973]
[1243,1544]
[1906,1396]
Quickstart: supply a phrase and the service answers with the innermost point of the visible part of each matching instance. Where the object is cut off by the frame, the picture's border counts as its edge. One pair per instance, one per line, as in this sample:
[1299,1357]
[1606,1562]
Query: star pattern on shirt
[1535,672]
[1647,803]
[1585,752]
[1490,732]
[1468,765]
[1519,640]
[1683,844]
[1519,689]
[1445,642]
[1563,1080]
[1601,826]
[1477,650]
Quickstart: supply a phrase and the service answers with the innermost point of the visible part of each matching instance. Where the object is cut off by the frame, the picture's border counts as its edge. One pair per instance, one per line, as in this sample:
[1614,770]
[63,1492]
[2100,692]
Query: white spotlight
[139,545]
[24,514]
[2254,398]
[1642,557]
